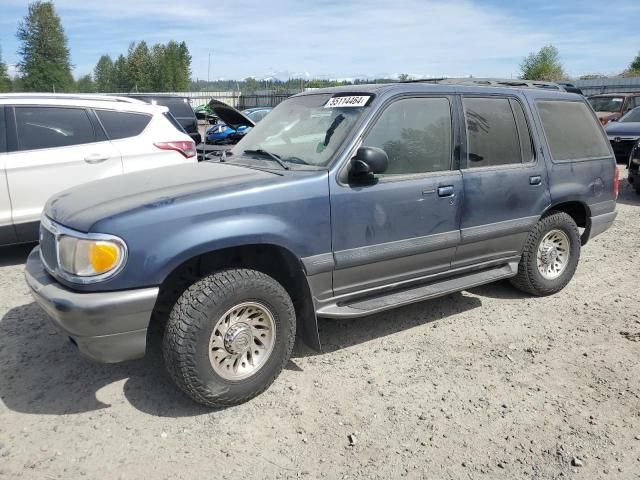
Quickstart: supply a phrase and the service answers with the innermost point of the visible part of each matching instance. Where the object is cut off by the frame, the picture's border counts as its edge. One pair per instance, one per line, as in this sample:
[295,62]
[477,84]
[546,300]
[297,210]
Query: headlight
[89,258]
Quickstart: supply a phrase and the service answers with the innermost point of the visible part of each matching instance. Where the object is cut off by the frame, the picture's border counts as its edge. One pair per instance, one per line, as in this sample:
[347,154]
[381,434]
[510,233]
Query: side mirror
[368,161]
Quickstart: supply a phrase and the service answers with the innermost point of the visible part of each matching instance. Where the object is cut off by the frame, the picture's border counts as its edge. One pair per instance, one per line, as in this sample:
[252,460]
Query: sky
[348,38]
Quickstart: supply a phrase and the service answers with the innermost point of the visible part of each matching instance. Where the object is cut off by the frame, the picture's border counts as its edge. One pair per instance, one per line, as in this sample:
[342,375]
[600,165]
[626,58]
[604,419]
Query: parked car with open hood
[233,124]
[624,134]
[612,106]
[51,142]
[341,203]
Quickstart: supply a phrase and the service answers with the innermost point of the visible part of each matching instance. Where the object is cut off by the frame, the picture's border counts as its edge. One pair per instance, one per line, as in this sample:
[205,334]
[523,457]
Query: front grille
[48,249]
[622,149]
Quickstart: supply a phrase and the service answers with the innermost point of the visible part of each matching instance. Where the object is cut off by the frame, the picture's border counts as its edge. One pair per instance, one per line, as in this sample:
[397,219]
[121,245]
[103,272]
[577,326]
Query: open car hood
[229,115]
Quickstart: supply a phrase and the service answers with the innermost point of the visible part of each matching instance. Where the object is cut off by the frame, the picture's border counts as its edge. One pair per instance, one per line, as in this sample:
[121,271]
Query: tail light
[616,181]
[185,147]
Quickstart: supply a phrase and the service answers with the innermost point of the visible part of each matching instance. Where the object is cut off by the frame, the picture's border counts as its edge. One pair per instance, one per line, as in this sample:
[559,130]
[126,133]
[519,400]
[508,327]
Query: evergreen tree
[140,67]
[45,64]
[5,81]
[120,75]
[104,75]
[85,85]
[543,65]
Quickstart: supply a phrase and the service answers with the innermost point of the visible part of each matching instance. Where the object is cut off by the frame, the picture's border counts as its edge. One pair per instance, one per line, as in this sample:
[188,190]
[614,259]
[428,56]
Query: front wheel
[550,256]
[229,336]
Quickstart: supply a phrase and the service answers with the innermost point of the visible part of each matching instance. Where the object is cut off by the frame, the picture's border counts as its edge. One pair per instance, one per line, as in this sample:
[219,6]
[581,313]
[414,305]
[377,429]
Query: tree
[635,64]
[120,76]
[104,75]
[85,85]
[140,67]
[634,68]
[45,63]
[403,77]
[543,65]
[5,81]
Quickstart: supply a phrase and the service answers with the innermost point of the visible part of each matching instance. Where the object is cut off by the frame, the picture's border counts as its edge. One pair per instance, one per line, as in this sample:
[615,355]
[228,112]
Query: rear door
[51,149]
[7,232]
[505,182]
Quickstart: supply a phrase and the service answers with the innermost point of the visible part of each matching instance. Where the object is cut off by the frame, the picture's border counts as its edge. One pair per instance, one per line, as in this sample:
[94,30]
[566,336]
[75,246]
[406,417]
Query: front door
[505,182]
[53,148]
[407,224]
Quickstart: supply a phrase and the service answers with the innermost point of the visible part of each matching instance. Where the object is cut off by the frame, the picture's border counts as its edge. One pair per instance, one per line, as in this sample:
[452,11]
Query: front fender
[201,238]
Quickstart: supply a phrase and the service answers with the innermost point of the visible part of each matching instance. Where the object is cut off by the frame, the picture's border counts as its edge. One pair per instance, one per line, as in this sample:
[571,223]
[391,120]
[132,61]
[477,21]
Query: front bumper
[106,326]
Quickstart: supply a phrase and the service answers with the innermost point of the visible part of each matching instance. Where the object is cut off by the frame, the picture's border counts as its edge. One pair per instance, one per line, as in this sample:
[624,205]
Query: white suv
[51,142]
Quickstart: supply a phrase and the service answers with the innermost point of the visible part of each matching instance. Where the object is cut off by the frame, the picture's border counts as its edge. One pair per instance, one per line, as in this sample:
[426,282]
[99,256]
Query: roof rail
[70,96]
[491,82]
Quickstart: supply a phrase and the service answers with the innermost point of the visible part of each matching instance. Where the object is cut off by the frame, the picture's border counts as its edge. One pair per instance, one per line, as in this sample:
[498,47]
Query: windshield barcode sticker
[350,101]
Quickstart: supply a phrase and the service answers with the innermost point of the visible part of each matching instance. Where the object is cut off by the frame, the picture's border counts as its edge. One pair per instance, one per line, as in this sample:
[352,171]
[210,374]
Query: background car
[49,143]
[179,107]
[624,134]
[233,123]
[611,106]
[570,87]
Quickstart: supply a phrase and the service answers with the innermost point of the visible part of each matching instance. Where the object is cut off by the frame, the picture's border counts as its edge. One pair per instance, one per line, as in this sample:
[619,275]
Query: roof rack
[69,96]
[490,82]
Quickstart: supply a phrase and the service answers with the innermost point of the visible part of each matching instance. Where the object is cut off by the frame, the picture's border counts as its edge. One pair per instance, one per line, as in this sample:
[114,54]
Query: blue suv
[341,203]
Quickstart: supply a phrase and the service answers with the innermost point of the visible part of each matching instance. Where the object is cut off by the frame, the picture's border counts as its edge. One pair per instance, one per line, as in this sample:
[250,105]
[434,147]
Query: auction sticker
[348,101]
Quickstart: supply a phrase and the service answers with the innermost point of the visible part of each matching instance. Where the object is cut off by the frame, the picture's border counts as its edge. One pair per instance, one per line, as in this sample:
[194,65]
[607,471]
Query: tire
[194,341]
[529,278]
[636,187]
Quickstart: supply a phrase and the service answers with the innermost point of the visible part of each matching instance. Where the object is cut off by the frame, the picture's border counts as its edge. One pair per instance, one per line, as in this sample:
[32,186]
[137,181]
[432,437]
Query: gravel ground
[487,383]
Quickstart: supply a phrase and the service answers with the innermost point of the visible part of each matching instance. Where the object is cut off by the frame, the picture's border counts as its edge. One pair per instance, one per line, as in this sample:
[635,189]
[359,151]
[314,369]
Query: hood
[229,115]
[81,207]
[623,129]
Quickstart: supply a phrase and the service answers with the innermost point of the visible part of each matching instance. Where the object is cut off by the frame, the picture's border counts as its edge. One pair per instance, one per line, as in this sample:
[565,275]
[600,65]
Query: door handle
[95,158]
[446,191]
[535,180]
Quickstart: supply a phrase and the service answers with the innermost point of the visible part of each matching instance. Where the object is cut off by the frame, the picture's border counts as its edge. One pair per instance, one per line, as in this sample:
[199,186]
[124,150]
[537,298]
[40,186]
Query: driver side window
[416,134]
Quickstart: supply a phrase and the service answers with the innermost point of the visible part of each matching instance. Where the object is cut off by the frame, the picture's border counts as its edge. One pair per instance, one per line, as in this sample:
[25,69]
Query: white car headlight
[90,258]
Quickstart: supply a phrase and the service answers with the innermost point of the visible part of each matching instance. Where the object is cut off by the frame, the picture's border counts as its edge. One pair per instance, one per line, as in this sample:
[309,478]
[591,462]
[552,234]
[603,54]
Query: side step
[406,296]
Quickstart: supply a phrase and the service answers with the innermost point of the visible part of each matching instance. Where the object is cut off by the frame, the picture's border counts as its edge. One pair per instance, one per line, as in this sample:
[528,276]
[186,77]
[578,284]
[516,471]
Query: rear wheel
[229,336]
[550,256]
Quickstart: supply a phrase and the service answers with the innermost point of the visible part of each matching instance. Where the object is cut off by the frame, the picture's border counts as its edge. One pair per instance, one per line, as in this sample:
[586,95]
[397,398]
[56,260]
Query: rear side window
[3,132]
[51,127]
[174,122]
[122,124]
[572,131]
[416,135]
[493,137]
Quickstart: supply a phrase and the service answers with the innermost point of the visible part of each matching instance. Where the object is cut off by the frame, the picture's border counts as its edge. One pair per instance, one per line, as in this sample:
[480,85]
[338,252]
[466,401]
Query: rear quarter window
[122,124]
[572,131]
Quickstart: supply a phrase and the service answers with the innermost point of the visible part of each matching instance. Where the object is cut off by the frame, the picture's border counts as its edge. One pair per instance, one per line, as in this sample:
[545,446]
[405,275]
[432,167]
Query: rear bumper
[599,224]
[106,326]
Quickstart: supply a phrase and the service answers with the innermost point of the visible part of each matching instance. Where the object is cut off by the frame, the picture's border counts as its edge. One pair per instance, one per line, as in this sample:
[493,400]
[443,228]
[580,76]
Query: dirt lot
[487,383]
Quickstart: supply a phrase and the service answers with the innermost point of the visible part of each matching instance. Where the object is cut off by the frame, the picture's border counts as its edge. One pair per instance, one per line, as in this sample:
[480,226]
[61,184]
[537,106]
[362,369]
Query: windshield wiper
[275,157]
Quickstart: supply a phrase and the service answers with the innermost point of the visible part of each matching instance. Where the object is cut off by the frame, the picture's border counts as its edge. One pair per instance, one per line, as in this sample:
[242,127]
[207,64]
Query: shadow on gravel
[628,195]
[15,254]
[337,334]
[502,289]
[42,374]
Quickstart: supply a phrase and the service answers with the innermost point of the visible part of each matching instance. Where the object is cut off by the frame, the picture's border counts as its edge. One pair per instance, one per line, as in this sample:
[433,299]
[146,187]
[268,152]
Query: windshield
[606,104]
[632,116]
[301,130]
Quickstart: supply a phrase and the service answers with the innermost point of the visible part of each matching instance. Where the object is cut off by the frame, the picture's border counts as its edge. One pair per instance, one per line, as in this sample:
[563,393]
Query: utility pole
[208,69]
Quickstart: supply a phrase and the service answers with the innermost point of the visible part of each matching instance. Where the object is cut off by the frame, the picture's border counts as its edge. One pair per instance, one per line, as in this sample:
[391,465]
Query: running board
[406,296]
